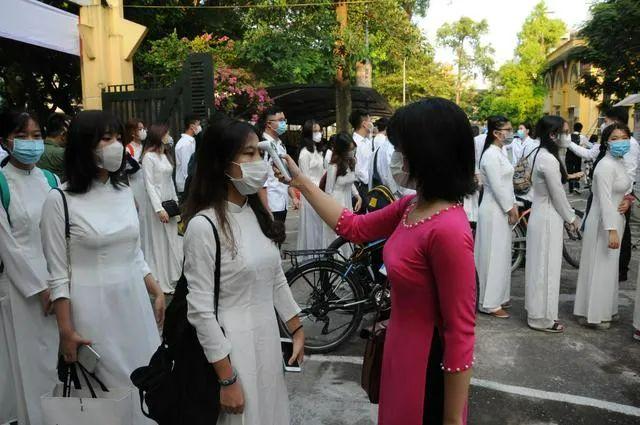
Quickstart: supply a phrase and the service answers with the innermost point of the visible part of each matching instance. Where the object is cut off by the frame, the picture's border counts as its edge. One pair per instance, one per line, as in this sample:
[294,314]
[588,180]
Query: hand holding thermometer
[270,147]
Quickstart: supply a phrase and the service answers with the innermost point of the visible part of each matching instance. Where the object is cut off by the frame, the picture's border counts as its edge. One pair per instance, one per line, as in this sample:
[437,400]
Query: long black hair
[343,143]
[494,123]
[307,136]
[155,134]
[85,132]
[546,127]
[222,142]
[435,137]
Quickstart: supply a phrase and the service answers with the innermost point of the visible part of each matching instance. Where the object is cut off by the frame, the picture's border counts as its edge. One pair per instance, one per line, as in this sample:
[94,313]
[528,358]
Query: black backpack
[180,386]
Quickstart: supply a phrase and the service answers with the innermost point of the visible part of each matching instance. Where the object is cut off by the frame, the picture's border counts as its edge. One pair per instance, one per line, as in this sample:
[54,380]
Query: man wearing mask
[53,157]
[618,114]
[184,149]
[362,129]
[274,125]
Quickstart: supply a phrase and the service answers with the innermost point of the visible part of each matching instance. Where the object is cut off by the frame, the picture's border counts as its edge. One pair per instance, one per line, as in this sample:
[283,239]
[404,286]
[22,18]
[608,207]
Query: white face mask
[198,129]
[142,134]
[397,171]
[565,140]
[317,136]
[254,175]
[110,157]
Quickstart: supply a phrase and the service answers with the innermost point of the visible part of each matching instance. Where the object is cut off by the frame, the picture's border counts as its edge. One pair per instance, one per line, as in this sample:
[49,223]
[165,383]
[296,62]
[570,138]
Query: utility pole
[343,80]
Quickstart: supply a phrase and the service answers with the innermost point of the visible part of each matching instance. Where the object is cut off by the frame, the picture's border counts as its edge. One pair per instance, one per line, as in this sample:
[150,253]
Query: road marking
[511,389]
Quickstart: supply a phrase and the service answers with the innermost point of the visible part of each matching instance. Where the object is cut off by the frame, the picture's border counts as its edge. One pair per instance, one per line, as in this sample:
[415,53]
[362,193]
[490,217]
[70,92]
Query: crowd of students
[105,242]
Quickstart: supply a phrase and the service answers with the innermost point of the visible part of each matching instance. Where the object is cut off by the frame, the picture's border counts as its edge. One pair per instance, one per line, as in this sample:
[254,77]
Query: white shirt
[277,193]
[363,157]
[379,140]
[630,159]
[382,162]
[185,148]
[3,154]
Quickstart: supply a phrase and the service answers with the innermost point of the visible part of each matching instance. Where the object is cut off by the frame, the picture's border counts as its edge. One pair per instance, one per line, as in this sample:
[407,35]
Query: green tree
[471,55]
[613,48]
[518,89]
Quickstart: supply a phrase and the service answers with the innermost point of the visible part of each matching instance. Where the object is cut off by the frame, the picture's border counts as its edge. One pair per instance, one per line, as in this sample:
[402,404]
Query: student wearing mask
[362,128]
[340,182]
[551,209]
[184,150]
[381,171]
[247,354]
[53,157]
[273,124]
[428,351]
[310,160]
[135,133]
[100,297]
[496,214]
[596,302]
[161,244]
[29,330]
[620,115]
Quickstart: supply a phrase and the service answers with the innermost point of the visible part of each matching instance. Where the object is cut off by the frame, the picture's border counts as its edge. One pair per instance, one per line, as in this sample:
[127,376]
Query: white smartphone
[88,357]
[287,352]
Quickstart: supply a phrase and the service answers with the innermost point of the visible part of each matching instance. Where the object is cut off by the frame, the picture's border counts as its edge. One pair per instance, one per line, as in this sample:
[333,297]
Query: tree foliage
[613,48]
[464,37]
[518,89]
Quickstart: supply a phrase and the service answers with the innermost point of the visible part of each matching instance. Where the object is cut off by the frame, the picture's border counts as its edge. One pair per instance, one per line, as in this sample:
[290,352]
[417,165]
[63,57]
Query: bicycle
[335,291]
[571,245]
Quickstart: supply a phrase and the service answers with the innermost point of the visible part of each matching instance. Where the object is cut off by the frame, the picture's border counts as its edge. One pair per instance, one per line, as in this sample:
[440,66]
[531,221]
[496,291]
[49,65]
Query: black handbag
[171,207]
[180,386]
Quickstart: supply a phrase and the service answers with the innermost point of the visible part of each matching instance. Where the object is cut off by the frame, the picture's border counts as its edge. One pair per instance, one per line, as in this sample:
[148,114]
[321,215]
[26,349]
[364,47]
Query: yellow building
[560,79]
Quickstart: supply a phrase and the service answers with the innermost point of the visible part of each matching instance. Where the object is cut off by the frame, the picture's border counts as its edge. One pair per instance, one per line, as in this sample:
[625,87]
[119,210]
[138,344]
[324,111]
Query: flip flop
[555,329]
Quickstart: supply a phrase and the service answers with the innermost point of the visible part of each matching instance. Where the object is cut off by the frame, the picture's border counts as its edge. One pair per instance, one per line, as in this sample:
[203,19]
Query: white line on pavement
[511,389]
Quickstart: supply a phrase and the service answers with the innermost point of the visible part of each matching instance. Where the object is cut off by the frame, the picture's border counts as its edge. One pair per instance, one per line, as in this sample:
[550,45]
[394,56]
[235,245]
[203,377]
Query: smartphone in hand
[287,352]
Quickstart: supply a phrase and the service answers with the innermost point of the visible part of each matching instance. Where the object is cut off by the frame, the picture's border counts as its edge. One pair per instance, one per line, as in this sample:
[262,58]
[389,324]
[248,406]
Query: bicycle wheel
[331,302]
[572,247]
[518,246]
[347,248]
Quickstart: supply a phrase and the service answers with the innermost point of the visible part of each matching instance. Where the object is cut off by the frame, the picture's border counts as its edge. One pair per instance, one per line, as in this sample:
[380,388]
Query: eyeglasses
[284,120]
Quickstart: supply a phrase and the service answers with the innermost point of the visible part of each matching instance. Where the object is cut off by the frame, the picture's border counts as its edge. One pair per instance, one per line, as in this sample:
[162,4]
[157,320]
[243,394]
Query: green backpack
[5,194]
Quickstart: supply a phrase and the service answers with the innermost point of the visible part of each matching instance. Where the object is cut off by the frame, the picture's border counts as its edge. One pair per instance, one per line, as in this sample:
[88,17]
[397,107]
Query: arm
[332,176]
[603,179]
[22,276]
[550,171]
[502,189]
[452,262]
[362,162]
[149,182]
[368,227]
[584,153]
[288,311]
[182,165]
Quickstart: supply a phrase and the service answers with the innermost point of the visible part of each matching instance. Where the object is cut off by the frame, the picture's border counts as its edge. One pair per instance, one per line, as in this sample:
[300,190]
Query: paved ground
[522,377]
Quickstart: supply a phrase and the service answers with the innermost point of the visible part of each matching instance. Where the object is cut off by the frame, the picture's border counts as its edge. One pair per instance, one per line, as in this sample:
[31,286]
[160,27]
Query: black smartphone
[287,352]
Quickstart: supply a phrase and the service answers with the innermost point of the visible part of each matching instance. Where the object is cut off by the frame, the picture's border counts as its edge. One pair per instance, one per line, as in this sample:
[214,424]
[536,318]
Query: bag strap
[216,271]
[67,230]
[51,178]
[86,374]
[5,194]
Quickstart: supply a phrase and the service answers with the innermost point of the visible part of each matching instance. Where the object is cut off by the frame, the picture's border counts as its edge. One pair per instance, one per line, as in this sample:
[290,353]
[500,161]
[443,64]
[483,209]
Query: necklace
[419,222]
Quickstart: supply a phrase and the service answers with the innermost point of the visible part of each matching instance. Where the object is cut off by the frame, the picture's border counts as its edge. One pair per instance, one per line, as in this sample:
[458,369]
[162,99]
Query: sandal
[507,305]
[499,314]
[555,329]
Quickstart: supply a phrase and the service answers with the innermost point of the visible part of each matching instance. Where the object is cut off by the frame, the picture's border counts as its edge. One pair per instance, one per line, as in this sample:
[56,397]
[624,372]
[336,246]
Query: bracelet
[230,381]
[297,329]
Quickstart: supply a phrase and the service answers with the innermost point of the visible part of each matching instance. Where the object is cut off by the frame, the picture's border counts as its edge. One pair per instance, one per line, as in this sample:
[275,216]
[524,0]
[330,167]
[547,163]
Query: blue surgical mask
[27,151]
[282,128]
[619,148]
[521,134]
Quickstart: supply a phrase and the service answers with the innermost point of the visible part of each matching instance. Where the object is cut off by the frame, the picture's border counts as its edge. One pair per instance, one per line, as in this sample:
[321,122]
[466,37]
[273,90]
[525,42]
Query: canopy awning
[629,100]
[304,102]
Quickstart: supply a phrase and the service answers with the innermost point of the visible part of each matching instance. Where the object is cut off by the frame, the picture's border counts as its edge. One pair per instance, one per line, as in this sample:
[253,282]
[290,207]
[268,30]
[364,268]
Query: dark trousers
[433,412]
[280,216]
[625,248]
[574,165]
[363,189]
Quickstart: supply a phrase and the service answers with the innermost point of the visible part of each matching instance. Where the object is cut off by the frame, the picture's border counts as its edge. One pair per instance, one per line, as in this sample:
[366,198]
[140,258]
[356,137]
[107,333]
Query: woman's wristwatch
[230,381]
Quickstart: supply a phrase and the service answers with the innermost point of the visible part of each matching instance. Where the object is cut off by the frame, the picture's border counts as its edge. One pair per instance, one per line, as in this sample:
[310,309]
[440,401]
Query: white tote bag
[80,407]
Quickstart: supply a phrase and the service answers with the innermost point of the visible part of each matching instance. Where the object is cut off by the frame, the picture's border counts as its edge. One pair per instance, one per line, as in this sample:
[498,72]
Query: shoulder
[199,227]
[54,202]
[452,229]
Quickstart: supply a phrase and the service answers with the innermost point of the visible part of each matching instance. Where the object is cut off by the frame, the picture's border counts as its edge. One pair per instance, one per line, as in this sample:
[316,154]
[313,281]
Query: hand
[69,344]
[576,176]
[614,241]
[298,348]
[163,216]
[513,215]
[159,307]
[358,203]
[232,399]
[296,202]
[45,302]
[624,206]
